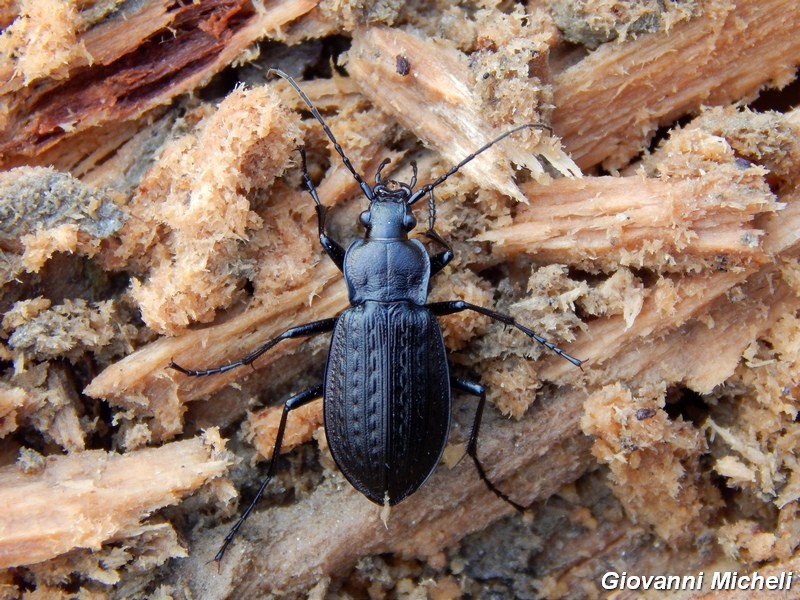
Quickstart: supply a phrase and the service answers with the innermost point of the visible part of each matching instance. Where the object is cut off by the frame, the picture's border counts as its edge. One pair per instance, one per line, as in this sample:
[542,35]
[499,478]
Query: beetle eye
[365,217]
[409,221]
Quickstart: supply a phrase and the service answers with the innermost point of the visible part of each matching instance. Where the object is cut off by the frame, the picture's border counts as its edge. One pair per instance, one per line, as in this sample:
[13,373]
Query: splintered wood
[441,108]
[201,220]
[610,103]
[101,497]
[153,210]
[640,223]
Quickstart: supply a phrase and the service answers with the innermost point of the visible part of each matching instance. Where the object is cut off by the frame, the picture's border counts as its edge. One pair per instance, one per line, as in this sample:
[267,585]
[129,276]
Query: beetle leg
[476,389]
[292,403]
[454,306]
[332,248]
[440,260]
[293,332]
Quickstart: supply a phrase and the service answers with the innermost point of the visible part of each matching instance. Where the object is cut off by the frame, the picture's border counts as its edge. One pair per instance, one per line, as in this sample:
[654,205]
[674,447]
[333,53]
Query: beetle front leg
[438,261]
[454,306]
[476,389]
[322,326]
[332,248]
[291,404]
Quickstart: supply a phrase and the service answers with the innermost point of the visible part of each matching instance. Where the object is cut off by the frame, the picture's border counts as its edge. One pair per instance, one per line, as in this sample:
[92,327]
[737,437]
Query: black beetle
[387,383]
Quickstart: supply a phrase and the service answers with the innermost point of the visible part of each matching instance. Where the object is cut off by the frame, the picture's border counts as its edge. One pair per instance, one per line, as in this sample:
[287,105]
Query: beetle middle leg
[454,306]
[291,404]
[476,389]
[313,328]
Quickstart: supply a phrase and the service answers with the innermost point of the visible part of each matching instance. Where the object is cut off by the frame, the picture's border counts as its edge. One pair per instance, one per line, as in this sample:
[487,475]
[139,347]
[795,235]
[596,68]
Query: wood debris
[454,118]
[635,435]
[131,62]
[154,211]
[102,496]
[644,76]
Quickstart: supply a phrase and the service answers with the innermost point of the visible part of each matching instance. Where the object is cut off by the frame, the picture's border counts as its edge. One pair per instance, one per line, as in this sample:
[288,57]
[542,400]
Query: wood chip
[88,498]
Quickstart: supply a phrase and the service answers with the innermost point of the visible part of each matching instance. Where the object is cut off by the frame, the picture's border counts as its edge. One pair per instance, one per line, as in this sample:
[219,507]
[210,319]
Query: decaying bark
[676,276]
[123,67]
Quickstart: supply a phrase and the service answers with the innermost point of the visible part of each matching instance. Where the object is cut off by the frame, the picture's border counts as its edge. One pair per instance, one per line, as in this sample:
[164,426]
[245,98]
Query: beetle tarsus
[332,248]
[202,372]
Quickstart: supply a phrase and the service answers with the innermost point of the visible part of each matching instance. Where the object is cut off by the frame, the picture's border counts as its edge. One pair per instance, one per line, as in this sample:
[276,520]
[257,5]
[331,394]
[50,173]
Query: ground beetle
[387,383]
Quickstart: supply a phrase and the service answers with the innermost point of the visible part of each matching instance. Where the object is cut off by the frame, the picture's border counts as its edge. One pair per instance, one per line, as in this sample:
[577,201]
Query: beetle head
[389,215]
[402,195]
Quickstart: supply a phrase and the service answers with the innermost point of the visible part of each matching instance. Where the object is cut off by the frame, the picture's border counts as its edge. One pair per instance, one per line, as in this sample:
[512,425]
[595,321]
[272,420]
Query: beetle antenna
[364,186]
[427,188]
[431,210]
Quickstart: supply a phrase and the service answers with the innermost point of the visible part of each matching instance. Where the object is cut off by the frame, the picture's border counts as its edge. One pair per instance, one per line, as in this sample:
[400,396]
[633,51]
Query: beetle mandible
[387,385]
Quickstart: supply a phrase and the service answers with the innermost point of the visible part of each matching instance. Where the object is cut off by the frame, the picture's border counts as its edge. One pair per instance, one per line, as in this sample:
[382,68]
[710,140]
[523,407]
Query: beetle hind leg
[476,389]
[291,404]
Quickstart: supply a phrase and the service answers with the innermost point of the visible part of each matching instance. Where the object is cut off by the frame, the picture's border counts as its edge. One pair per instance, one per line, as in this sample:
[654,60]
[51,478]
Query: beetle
[387,384]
